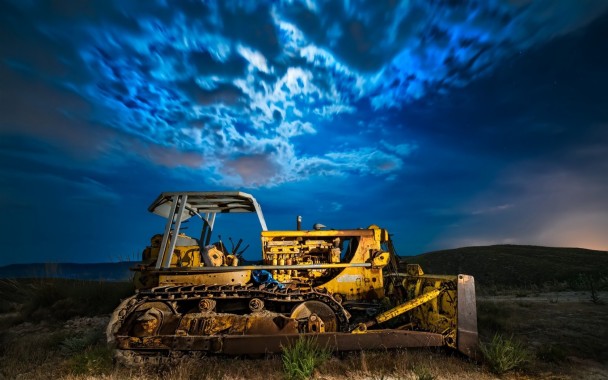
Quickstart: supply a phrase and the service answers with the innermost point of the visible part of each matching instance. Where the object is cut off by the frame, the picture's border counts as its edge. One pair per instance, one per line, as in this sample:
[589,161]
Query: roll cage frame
[177,207]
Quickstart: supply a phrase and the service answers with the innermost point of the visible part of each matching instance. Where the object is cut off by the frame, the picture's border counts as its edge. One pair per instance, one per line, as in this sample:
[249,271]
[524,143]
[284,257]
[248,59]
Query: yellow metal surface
[407,306]
[380,259]
[329,258]
[236,277]
[357,284]
[213,256]
[183,256]
[440,314]
[301,248]
[348,264]
[317,233]
[398,310]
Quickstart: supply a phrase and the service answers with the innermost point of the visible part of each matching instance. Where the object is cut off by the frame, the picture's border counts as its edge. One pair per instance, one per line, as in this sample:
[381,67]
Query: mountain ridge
[516,265]
[111,271]
[500,265]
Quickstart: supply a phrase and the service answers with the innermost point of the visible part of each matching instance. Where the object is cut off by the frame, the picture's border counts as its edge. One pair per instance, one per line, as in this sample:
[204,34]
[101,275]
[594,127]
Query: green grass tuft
[95,360]
[504,354]
[301,358]
[422,372]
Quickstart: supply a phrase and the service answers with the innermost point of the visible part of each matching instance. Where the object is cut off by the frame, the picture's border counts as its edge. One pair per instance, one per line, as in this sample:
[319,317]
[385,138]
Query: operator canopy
[203,203]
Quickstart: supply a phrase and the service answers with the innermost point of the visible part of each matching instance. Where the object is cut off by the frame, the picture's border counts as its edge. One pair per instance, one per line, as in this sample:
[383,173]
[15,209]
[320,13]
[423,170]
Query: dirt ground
[567,331]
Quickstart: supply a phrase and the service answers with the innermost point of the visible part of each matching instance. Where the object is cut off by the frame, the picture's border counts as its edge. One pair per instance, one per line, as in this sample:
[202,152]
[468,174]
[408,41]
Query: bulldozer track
[232,292]
[173,295]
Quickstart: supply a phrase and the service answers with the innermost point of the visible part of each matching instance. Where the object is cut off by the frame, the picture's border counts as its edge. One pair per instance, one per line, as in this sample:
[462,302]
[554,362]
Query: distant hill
[500,265]
[118,271]
[515,265]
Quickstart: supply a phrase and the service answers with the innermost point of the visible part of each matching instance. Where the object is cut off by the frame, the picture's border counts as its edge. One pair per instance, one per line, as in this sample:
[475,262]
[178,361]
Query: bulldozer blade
[467,316]
[263,344]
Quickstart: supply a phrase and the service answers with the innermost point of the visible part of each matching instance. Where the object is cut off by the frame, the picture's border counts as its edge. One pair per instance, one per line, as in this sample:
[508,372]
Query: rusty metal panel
[236,277]
[237,345]
[467,339]
[260,344]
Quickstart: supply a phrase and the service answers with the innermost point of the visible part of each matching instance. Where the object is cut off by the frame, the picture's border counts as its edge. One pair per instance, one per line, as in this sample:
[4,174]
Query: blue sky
[448,123]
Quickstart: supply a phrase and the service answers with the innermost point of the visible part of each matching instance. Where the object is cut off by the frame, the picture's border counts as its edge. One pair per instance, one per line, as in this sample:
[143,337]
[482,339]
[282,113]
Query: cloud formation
[549,203]
[237,89]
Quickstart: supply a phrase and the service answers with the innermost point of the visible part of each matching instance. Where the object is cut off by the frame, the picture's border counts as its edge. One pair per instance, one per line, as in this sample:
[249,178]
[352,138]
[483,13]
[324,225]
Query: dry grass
[565,331]
[46,360]
[402,364]
[56,300]
[69,352]
[572,323]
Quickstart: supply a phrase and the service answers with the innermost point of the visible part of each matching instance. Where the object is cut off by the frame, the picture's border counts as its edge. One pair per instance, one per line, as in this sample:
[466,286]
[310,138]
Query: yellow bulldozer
[344,287]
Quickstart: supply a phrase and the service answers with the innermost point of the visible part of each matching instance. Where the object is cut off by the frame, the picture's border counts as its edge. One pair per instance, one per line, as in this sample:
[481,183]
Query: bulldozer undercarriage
[149,327]
[341,287]
[174,322]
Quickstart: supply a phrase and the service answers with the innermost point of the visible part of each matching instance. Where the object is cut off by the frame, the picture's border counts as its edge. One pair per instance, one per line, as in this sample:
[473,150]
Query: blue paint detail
[264,277]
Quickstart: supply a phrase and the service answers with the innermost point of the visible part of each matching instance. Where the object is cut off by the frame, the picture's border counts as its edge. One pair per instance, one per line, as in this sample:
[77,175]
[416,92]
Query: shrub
[423,373]
[301,358]
[60,300]
[74,344]
[504,354]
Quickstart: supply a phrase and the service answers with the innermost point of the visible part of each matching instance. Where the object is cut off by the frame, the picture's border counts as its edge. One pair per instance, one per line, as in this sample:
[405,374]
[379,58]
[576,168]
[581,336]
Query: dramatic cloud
[235,84]
[448,122]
